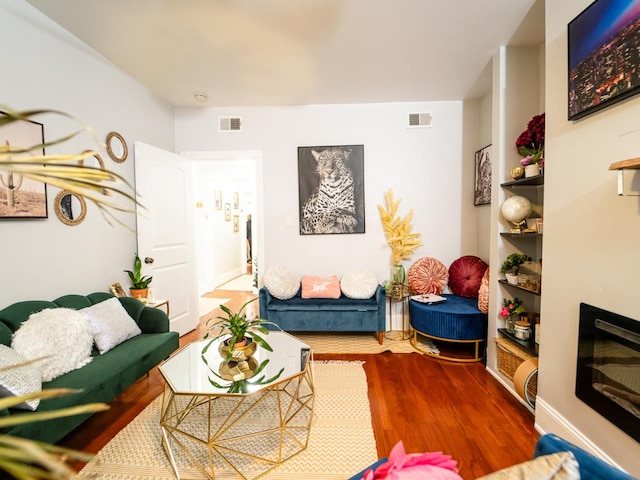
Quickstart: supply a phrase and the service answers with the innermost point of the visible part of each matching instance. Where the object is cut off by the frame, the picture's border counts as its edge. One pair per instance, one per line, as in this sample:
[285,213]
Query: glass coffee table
[212,425]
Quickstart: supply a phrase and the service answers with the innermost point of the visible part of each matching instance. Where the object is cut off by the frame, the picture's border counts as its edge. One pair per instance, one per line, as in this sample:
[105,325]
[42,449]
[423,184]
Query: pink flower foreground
[415,466]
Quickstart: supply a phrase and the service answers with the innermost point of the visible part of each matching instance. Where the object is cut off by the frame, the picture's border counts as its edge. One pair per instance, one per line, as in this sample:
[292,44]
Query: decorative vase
[239,352]
[510,323]
[398,274]
[531,170]
[517,173]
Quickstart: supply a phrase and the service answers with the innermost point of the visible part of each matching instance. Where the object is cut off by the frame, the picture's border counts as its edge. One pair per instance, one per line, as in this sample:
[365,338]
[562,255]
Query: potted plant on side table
[511,266]
[139,284]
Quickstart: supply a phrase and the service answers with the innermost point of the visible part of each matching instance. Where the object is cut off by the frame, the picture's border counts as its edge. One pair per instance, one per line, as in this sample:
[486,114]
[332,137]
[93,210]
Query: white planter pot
[512,278]
[531,170]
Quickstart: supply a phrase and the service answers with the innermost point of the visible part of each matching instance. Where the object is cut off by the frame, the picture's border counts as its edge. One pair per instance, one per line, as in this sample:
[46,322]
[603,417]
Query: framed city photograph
[603,41]
[331,189]
[22,197]
[482,185]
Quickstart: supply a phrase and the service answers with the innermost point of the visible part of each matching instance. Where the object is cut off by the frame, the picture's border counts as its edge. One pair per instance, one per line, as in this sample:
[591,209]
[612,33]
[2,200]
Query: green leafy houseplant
[238,327]
[138,282]
[513,262]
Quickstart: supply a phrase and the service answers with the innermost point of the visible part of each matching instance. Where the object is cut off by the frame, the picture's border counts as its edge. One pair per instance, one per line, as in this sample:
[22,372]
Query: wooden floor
[429,404]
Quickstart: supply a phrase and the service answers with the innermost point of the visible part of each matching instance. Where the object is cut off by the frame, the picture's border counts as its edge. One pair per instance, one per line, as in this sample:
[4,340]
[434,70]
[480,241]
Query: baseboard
[509,386]
[555,423]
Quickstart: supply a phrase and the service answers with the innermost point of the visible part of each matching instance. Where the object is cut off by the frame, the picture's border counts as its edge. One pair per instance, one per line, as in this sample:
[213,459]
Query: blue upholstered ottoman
[457,320]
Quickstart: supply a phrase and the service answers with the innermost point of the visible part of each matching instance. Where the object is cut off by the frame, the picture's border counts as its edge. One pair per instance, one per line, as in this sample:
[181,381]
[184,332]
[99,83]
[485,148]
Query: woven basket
[510,356]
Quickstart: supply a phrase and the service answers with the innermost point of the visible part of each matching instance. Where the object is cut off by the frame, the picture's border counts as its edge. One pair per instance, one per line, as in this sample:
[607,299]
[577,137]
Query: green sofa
[106,375]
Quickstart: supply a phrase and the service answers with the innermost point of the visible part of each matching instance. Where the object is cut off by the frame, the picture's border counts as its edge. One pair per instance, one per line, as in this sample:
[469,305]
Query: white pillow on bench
[359,284]
[281,282]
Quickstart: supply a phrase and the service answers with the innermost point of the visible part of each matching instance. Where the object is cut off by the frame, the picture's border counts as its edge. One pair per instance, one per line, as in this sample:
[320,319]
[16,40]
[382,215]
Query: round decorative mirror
[94,160]
[117,147]
[70,208]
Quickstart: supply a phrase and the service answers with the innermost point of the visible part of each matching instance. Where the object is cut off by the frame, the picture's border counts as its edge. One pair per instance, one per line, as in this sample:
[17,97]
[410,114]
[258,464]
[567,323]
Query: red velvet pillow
[465,276]
[428,275]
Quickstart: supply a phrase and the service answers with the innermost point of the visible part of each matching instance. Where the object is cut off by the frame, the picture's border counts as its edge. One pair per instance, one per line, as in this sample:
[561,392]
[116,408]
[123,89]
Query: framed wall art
[236,223]
[482,185]
[236,201]
[22,197]
[227,212]
[218,199]
[603,42]
[331,189]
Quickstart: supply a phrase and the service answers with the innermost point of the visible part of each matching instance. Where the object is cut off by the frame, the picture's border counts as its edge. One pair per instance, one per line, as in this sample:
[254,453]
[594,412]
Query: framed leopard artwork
[331,189]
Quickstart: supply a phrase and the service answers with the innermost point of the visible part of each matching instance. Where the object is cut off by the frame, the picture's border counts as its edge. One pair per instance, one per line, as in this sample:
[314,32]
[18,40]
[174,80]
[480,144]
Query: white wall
[430,169]
[591,248]
[46,67]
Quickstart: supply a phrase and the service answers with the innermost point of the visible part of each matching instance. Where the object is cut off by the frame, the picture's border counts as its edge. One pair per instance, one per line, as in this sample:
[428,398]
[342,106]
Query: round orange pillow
[465,276]
[428,275]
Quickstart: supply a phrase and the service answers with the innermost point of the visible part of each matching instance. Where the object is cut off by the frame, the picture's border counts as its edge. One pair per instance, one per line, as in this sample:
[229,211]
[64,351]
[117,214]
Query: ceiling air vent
[230,124]
[420,120]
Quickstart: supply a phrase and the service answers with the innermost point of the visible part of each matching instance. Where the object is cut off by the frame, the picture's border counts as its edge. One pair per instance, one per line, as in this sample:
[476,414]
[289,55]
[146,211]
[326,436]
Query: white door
[165,231]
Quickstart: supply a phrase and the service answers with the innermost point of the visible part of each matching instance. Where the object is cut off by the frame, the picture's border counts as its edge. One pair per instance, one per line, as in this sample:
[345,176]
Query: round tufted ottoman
[457,320]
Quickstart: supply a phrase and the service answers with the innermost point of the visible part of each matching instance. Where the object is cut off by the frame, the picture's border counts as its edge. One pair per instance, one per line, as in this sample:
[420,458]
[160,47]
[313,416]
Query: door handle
[148,260]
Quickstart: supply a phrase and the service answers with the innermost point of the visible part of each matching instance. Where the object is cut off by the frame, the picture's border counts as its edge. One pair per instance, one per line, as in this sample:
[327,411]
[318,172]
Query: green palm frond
[108,190]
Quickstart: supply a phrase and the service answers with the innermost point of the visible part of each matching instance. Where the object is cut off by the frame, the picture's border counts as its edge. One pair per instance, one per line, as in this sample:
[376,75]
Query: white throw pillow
[281,282]
[62,335]
[360,284]
[18,380]
[110,324]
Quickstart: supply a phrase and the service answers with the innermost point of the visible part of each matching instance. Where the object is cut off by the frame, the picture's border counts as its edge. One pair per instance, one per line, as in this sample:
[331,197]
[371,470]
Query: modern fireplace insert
[608,369]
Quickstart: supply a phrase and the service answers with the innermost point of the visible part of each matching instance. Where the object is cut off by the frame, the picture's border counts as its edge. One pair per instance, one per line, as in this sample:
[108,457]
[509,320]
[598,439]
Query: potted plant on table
[139,284]
[243,333]
[530,144]
[511,266]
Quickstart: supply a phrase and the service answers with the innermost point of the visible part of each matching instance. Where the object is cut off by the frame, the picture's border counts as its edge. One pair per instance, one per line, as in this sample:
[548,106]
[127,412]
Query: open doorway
[227,227]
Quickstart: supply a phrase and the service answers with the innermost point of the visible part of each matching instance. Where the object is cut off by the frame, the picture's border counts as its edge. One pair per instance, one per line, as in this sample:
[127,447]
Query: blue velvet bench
[457,320]
[342,314]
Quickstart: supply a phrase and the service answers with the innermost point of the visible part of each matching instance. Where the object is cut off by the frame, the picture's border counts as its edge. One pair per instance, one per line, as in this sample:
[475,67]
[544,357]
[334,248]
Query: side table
[399,295]
[159,303]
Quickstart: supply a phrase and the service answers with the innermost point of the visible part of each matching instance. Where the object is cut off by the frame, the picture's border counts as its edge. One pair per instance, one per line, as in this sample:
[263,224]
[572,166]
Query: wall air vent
[230,124]
[420,120]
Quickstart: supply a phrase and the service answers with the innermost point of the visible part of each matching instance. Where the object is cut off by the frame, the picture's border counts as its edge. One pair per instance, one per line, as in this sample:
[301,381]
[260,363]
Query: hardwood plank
[429,404]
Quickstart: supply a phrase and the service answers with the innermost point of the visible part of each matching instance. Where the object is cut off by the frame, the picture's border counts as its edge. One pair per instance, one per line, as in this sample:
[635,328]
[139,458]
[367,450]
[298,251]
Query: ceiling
[302,52]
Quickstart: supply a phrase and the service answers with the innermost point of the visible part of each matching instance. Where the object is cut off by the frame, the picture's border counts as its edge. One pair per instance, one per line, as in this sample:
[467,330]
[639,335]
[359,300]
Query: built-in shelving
[537,180]
[530,346]
[518,287]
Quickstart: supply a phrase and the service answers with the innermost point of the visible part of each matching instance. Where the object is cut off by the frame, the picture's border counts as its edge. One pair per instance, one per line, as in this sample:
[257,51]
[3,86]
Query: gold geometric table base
[249,434]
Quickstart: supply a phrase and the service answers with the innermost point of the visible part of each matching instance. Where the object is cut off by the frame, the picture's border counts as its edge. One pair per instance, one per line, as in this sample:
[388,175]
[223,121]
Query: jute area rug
[340,343]
[341,442]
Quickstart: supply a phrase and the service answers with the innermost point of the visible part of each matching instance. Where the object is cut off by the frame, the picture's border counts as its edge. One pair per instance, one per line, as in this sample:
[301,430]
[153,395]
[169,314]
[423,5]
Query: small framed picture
[218,199]
[227,212]
[236,223]
[236,201]
[117,290]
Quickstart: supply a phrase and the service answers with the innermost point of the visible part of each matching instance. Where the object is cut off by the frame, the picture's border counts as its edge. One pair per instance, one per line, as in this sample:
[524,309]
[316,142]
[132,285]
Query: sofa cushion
[320,287]
[465,276]
[281,282]
[110,324]
[359,284]
[556,466]
[428,275]
[18,378]
[62,335]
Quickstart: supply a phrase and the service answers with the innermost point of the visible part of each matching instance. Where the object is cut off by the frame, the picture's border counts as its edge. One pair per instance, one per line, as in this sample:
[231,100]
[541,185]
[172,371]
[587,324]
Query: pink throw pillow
[465,276]
[428,275]
[320,287]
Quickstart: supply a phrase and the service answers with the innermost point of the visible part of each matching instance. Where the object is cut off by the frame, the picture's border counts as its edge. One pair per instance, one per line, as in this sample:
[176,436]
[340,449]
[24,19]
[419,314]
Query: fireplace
[608,370]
